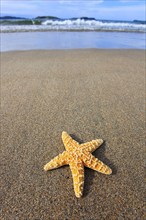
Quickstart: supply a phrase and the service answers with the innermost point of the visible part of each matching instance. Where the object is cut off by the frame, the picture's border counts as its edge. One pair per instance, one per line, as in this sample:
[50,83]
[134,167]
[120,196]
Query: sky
[100,9]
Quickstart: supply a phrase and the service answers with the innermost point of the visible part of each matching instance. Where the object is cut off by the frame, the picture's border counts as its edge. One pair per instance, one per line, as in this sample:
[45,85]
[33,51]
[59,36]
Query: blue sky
[102,9]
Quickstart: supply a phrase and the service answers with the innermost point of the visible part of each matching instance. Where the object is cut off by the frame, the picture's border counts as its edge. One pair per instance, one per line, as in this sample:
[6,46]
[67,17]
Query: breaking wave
[71,25]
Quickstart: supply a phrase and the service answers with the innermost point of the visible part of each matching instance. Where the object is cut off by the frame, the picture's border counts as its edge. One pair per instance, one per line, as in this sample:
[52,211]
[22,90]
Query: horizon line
[27,17]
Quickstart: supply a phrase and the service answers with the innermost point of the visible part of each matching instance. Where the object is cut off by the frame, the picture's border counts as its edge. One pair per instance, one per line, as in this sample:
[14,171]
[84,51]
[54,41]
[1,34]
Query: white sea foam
[81,24]
[77,25]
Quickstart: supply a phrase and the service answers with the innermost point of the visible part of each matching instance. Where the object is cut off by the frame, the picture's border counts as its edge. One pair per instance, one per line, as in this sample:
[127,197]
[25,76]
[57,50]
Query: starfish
[77,156]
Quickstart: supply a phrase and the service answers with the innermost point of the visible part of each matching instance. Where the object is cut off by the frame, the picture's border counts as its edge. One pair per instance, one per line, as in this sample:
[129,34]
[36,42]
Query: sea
[43,33]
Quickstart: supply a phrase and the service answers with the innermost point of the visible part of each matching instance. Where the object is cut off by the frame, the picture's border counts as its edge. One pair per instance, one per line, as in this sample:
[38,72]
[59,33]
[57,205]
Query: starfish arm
[92,145]
[77,169]
[68,141]
[58,161]
[91,162]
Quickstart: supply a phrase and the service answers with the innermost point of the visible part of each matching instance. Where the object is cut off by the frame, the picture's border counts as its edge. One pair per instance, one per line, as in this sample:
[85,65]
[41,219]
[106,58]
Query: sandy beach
[90,94]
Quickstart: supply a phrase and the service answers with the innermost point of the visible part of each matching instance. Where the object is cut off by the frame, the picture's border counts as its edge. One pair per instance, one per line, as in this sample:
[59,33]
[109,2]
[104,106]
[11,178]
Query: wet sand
[90,94]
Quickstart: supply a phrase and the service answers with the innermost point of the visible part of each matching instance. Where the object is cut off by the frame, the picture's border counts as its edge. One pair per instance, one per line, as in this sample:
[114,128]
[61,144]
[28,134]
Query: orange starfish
[77,156]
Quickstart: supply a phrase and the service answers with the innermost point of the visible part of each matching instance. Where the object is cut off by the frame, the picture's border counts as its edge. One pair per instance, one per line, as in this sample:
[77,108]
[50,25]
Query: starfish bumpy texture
[77,156]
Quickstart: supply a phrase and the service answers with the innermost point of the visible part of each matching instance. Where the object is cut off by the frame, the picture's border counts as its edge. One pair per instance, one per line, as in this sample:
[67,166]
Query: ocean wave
[94,25]
[71,25]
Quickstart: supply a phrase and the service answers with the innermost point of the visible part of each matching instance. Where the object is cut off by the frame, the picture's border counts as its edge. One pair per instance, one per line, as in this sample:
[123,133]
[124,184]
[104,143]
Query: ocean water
[71,40]
[74,24]
[55,33]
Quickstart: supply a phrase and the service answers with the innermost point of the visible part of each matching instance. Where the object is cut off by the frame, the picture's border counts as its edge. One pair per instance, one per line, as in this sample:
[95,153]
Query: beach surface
[90,94]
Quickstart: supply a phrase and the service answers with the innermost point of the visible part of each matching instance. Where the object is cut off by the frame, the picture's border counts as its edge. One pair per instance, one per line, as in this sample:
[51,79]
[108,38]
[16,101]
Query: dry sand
[90,94]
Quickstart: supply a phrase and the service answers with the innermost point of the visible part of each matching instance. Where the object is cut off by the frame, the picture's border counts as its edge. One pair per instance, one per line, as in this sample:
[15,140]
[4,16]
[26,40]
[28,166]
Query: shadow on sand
[89,173]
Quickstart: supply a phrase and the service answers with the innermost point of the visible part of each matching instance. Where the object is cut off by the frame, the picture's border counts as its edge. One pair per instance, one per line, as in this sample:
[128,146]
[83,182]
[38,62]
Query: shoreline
[73,50]
[89,93]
